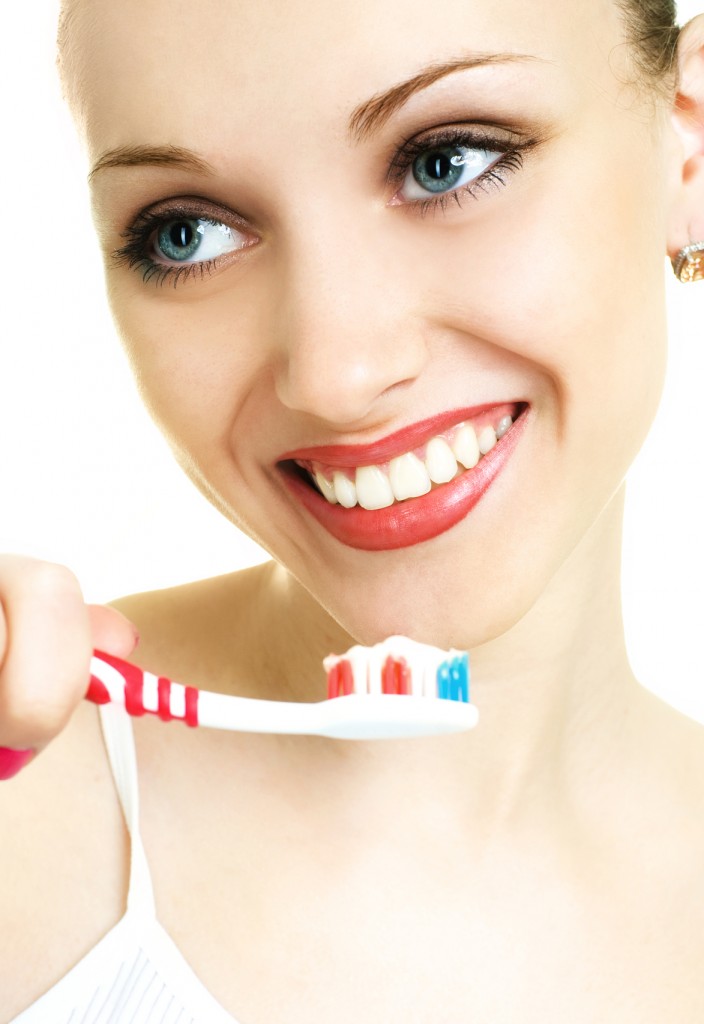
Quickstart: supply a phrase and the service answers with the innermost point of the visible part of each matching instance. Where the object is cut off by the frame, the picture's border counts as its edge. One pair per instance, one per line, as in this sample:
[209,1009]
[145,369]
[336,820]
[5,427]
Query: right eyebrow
[152,156]
[371,115]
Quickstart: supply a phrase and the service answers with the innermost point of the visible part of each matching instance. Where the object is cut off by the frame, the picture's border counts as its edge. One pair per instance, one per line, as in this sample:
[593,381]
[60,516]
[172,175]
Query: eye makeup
[449,153]
[190,237]
[192,225]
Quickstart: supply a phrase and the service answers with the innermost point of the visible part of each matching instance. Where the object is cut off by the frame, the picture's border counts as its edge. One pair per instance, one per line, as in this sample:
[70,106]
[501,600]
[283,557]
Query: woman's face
[305,270]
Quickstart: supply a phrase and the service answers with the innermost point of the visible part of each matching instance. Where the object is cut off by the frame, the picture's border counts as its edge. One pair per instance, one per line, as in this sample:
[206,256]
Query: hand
[47,636]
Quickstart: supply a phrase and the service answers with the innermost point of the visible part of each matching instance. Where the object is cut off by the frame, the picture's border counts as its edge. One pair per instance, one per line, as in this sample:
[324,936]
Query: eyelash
[511,161]
[138,240]
[139,235]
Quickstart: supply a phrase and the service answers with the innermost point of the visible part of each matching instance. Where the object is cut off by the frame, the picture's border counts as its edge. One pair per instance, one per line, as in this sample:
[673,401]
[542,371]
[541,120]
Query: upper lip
[400,441]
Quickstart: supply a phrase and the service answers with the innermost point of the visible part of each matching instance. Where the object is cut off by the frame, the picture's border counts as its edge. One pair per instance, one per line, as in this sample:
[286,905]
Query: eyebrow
[371,115]
[154,156]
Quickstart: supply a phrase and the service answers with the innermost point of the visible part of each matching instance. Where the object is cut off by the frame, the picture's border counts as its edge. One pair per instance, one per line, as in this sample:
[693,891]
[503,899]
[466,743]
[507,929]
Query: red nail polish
[13,761]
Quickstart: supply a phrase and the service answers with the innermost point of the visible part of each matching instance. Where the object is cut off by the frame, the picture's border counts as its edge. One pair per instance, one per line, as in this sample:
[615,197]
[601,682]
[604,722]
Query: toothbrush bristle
[453,679]
[340,678]
[396,676]
[402,667]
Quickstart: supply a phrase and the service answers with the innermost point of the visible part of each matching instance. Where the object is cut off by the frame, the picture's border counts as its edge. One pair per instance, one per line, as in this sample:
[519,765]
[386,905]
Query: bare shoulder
[675,778]
[671,816]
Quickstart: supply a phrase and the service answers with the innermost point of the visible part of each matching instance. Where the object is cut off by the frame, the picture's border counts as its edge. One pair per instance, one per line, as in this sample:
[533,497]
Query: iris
[438,170]
[178,240]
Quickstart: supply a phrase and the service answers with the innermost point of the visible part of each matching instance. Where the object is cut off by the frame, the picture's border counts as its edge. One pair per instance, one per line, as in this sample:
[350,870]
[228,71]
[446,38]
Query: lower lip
[411,522]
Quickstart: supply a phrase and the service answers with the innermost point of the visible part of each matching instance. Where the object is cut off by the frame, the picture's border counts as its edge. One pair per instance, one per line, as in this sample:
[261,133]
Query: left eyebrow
[152,156]
[371,115]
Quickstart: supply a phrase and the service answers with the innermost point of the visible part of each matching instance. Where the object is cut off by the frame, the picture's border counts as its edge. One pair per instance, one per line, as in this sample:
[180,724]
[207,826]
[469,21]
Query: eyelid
[194,207]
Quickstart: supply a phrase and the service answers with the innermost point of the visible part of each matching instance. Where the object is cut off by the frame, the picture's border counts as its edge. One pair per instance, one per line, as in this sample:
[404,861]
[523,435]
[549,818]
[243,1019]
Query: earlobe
[686,226]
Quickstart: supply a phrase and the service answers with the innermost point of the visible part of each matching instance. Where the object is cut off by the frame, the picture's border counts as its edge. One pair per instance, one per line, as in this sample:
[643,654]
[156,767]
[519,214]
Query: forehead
[190,73]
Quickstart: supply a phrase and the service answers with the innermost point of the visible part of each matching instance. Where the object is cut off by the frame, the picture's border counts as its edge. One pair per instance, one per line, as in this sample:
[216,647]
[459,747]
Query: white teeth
[439,461]
[466,447]
[486,439]
[345,491]
[327,488]
[505,423]
[373,488]
[408,476]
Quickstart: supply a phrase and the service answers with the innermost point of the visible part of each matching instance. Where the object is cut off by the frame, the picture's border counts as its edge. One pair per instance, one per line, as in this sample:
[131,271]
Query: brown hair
[651,26]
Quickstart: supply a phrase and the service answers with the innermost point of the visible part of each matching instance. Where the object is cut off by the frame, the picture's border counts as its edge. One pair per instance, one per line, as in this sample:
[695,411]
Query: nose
[347,331]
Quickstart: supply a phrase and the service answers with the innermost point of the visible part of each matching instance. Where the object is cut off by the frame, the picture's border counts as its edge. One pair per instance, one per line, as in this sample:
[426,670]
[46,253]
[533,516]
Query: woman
[322,265]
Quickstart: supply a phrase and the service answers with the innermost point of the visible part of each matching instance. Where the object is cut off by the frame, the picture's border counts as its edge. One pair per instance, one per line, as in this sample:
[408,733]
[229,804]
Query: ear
[686,223]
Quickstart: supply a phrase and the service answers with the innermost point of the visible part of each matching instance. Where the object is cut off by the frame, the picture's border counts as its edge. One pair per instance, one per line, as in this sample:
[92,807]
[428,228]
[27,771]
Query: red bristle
[403,676]
[388,676]
[332,674]
[347,677]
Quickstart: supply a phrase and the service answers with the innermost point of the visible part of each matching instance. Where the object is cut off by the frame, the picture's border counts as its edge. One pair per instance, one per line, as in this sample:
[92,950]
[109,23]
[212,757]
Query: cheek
[567,275]
[193,361]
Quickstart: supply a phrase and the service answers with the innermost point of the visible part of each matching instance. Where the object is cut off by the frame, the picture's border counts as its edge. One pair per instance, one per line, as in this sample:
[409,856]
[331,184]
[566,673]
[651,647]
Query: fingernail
[13,761]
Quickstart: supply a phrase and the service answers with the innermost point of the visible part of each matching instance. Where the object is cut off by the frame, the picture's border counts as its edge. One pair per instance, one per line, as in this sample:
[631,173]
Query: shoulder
[672,790]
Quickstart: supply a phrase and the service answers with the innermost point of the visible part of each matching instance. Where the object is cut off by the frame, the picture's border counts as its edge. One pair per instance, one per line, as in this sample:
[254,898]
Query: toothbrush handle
[115,681]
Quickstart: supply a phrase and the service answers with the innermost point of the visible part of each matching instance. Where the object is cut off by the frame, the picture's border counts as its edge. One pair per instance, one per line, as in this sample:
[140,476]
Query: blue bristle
[460,678]
[443,680]
[453,679]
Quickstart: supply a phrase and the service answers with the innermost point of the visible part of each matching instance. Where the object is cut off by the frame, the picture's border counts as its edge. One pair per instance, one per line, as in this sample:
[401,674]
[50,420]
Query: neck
[554,694]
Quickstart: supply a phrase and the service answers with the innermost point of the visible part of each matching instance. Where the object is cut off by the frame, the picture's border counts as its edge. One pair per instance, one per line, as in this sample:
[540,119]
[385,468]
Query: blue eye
[443,169]
[175,244]
[191,240]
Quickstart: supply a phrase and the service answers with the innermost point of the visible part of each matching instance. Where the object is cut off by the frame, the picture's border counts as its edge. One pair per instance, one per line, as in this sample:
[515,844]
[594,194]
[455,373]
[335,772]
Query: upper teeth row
[408,476]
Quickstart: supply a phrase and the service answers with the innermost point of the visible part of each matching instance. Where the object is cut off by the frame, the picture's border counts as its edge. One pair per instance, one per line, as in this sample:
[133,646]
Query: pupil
[181,235]
[179,240]
[438,166]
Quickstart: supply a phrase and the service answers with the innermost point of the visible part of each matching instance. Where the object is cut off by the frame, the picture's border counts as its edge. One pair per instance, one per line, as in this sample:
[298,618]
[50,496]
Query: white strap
[119,743]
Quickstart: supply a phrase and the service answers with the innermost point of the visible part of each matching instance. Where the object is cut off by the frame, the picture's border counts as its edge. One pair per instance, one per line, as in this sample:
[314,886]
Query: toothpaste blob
[399,666]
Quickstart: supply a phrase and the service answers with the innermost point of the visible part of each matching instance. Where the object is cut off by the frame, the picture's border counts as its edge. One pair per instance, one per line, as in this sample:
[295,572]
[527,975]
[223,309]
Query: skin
[566,829]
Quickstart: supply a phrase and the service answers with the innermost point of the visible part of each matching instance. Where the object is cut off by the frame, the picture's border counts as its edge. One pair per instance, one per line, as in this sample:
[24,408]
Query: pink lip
[409,522]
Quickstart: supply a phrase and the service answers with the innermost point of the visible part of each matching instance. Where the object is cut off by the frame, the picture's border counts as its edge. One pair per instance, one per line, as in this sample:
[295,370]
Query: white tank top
[135,974]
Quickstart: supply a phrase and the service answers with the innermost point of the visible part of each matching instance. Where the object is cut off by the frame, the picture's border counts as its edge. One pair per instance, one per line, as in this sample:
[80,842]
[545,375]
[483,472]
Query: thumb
[111,631]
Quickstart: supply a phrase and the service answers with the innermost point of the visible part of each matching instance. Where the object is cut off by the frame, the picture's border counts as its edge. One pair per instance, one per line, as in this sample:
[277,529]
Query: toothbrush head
[399,666]
[434,684]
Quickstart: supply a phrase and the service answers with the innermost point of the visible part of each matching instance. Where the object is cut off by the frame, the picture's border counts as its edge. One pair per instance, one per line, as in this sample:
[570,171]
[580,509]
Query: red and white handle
[114,681]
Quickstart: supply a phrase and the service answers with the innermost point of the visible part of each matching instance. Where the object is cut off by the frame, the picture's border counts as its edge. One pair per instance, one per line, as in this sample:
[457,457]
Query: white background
[86,480]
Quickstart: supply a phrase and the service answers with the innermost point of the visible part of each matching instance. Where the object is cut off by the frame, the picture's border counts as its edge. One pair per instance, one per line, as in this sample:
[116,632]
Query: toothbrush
[399,688]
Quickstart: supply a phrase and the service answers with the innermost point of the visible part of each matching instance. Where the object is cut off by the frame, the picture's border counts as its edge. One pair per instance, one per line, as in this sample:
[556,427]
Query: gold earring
[688,264]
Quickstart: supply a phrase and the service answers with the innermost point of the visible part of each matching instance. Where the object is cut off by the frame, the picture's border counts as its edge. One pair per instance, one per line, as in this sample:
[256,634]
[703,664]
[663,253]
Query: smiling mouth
[396,493]
[411,474]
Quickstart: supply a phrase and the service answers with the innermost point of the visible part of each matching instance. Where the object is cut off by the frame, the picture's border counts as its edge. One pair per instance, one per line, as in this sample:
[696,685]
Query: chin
[442,610]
